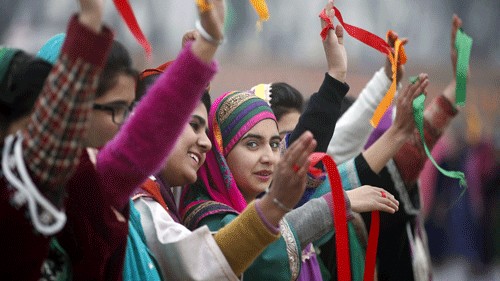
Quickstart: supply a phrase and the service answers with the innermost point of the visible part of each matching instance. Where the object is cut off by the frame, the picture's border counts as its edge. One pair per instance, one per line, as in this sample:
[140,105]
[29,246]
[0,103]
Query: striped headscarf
[231,116]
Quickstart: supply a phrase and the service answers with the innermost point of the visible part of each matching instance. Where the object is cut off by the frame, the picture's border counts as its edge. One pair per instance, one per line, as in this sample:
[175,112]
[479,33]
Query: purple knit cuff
[273,229]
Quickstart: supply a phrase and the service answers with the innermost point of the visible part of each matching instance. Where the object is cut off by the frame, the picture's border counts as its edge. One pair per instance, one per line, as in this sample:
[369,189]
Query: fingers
[386,202]
[339,31]
[391,38]
[191,35]
[424,82]
[299,151]
[456,23]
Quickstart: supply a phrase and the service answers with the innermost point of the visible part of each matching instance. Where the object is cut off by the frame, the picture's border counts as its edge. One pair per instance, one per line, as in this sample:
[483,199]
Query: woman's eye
[252,144]
[195,126]
[275,145]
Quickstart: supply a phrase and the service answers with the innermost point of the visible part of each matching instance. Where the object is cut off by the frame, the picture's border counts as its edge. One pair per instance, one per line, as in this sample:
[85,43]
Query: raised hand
[91,13]
[289,179]
[449,91]
[211,23]
[403,127]
[333,45]
[404,105]
[189,36]
[212,19]
[369,198]
[391,39]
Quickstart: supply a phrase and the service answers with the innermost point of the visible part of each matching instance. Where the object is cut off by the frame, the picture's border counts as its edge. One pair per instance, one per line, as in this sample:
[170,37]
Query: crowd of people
[93,149]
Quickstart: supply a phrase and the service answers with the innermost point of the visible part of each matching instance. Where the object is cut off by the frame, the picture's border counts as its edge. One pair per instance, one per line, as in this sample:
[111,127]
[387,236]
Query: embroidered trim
[291,249]
[401,189]
[203,210]
[231,103]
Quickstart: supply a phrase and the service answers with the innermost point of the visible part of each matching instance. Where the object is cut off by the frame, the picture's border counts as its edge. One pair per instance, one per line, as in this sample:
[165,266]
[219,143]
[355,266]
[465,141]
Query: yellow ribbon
[204,5]
[399,55]
[260,7]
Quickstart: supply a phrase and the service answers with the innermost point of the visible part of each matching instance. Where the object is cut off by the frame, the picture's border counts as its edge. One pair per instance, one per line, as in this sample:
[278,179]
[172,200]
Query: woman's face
[120,97]
[189,152]
[287,122]
[253,159]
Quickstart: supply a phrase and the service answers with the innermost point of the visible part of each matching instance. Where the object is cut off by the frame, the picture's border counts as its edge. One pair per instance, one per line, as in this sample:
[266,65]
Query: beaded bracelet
[206,36]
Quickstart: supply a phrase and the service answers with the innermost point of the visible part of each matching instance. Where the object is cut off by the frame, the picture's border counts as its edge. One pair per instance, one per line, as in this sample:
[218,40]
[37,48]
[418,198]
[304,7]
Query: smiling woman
[243,163]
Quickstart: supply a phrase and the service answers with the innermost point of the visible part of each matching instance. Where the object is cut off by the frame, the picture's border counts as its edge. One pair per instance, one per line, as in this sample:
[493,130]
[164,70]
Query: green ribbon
[418,113]
[463,44]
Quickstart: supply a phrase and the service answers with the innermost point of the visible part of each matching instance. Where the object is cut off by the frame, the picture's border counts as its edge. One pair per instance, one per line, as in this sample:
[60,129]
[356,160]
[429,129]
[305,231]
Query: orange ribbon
[204,5]
[260,7]
[398,56]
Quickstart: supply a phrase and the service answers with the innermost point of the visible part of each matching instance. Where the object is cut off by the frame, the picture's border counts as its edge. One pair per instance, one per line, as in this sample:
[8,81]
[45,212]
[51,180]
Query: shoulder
[208,212]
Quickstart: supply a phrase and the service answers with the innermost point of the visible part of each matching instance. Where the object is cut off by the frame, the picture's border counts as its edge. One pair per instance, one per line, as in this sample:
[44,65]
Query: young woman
[50,138]
[95,236]
[240,168]
[178,253]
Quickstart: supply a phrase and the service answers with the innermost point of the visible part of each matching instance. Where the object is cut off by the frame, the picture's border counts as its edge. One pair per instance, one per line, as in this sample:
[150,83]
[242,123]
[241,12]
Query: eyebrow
[200,119]
[259,137]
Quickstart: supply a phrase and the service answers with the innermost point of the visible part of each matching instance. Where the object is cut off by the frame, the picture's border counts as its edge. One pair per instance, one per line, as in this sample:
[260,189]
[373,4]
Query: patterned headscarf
[231,116]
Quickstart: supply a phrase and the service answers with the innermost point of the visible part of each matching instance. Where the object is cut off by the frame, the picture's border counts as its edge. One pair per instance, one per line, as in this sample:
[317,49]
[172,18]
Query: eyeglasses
[119,112]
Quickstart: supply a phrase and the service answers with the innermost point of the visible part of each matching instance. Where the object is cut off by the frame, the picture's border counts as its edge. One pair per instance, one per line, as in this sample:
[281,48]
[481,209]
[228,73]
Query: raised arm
[378,154]
[353,127]
[323,108]
[411,158]
[53,139]
[143,143]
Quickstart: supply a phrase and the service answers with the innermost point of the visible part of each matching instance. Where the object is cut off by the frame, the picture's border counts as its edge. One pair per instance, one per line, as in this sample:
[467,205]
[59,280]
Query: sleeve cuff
[81,42]
[333,86]
[246,236]
[365,173]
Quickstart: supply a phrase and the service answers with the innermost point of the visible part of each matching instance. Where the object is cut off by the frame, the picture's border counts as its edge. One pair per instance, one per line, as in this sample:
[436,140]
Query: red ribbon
[364,36]
[123,7]
[371,251]
[339,214]
[329,24]
[340,223]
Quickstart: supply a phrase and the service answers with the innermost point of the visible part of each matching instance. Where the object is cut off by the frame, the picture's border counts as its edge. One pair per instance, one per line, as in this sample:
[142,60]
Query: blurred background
[289,49]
